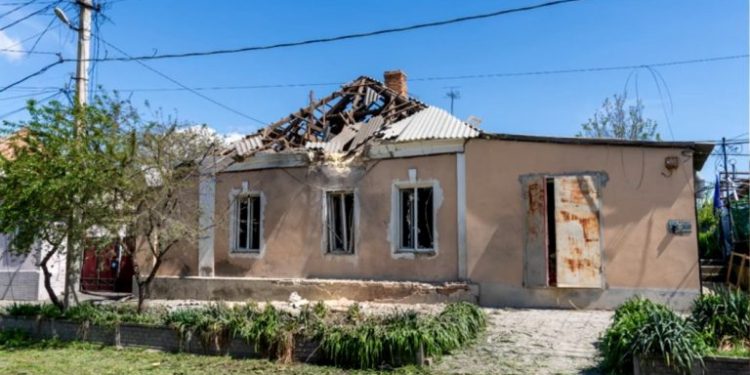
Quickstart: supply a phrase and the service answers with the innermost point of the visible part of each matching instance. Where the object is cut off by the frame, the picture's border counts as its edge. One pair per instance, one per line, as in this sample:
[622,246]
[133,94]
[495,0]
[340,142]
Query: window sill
[244,253]
[339,253]
[411,254]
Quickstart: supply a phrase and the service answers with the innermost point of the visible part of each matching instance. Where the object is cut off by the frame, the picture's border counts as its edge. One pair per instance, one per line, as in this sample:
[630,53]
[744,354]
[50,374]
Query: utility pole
[728,236]
[72,259]
[84,49]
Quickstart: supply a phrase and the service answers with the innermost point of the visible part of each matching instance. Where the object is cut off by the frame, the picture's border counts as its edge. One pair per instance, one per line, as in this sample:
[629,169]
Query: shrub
[45,310]
[723,316]
[269,330]
[397,338]
[210,324]
[644,328]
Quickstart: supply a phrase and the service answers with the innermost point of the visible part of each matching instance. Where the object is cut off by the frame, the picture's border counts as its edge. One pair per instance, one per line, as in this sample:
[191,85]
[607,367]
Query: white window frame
[355,221]
[236,198]
[396,210]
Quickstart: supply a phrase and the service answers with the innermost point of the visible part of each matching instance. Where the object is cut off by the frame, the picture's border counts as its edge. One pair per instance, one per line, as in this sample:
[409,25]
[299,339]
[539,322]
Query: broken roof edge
[701,149]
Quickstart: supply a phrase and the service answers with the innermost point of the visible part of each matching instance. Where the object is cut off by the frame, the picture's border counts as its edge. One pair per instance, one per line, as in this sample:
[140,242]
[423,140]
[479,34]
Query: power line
[32,14]
[583,70]
[443,78]
[16,9]
[27,95]
[32,75]
[9,48]
[216,102]
[340,37]
[43,100]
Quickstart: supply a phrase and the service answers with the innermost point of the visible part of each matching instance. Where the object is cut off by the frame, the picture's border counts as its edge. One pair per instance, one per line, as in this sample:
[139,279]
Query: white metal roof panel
[429,123]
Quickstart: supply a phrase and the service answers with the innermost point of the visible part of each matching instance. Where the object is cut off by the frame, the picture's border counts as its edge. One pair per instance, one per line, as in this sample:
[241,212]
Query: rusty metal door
[535,262]
[577,232]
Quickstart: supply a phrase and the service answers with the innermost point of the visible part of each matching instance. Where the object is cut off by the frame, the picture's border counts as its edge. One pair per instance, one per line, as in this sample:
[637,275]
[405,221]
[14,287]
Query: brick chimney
[396,81]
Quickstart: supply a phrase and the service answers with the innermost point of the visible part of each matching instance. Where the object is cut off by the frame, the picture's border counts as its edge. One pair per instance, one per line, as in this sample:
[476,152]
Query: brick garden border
[143,336]
[711,365]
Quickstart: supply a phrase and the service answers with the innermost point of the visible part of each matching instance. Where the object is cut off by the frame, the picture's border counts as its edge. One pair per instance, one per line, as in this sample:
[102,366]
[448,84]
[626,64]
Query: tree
[614,121]
[57,185]
[160,201]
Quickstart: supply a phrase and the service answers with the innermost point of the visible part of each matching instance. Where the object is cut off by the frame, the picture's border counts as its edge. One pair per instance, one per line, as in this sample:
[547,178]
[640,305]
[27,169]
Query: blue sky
[708,100]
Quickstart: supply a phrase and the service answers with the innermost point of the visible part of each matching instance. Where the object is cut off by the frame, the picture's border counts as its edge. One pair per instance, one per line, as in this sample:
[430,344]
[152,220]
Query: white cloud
[9,42]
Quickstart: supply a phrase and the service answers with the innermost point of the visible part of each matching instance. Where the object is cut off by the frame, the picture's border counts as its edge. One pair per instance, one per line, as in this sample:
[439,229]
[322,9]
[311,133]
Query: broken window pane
[340,222]
[424,218]
[242,234]
[407,218]
[248,223]
[255,223]
[417,221]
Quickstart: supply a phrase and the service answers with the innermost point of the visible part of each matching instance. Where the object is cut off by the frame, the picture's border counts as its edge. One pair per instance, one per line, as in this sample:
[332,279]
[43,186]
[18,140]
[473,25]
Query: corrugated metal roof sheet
[429,123]
[336,144]
[248,144]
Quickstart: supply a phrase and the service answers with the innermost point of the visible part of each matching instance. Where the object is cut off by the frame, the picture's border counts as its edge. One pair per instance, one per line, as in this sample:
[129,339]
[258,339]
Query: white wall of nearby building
[21,278]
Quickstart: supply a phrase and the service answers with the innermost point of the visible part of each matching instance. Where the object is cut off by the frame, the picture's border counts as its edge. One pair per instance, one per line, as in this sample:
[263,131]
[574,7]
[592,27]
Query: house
[371,185]
[21,277]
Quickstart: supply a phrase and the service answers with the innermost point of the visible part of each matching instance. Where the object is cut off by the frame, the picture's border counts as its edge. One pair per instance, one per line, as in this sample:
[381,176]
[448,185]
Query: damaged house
[369,186]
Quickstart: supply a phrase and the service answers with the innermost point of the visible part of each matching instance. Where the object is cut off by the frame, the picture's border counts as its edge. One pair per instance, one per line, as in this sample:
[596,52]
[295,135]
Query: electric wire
[43,100]
[16,9]
[178,83]
[32,75]
[339,37]
[455,77]
[32,14]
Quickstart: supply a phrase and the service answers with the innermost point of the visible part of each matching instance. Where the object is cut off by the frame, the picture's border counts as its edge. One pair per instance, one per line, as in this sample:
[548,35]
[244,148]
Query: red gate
[108,269]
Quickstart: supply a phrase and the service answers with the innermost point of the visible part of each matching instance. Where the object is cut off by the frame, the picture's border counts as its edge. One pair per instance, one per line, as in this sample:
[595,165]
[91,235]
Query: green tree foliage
[159,200]
[57,185]
[708,230]
[613,120]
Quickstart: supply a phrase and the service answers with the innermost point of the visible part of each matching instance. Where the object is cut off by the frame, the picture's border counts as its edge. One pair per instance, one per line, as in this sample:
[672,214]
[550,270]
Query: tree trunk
[143,285]
[141,294]
[70,272]
[47,279]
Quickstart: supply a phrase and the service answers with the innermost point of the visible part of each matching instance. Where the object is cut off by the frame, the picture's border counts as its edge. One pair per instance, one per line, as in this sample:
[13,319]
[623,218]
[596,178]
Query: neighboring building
[369,184]
[21,278]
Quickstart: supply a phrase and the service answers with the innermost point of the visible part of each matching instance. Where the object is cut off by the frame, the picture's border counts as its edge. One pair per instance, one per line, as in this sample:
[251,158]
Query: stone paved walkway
[532,342]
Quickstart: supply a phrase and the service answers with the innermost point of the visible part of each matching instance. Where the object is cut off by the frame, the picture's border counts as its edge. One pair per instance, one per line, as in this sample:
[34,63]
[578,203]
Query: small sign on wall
[679,227]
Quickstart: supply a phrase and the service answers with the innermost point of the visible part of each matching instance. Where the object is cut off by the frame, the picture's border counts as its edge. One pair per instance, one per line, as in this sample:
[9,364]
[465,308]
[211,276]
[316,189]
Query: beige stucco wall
[293,222]
[637,201]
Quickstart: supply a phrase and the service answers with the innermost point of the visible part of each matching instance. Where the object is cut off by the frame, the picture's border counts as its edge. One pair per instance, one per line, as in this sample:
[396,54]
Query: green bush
[210,324]
[644,328]
[723,316]
[350,338]
[397,338]
[270,330]
[45,310]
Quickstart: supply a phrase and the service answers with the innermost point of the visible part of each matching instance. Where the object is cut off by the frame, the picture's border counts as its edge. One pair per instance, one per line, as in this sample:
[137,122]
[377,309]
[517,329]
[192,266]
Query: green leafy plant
[269,330]
[723,317]
[708,230]
[45,310]
[397,338]
[650,330]
[210,324]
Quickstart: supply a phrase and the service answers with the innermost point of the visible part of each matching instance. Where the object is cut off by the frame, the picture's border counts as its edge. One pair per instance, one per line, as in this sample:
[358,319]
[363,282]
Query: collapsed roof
[362,111]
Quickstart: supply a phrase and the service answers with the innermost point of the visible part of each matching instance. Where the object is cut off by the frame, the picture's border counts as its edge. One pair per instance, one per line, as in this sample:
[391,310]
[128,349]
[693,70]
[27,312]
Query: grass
[50,357]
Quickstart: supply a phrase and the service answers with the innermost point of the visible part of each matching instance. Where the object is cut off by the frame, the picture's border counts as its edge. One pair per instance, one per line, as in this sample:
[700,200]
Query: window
[563,247]
[247,237]
[416,227]
[340,222]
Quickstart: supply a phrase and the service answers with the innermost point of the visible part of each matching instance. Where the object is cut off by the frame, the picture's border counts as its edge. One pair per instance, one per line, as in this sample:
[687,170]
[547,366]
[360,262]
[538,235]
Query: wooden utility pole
[72,260]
